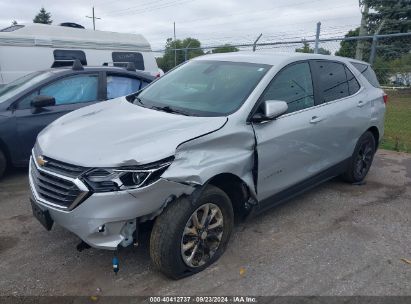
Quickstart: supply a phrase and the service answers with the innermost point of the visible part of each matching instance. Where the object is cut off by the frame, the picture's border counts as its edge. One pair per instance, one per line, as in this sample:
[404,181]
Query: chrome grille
[55,189]
[63,168]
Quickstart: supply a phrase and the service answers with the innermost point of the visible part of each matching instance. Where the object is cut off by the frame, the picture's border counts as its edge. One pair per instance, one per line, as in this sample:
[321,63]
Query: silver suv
[219,137]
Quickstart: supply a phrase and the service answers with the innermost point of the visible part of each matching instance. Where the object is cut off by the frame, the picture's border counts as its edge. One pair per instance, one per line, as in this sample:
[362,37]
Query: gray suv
[219,137]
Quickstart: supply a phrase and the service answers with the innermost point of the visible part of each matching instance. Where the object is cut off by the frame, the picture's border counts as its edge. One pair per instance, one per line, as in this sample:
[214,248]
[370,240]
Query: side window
[353,85]
[294,86]
[367,72]
[122,58]
[144,84]
[121,86]
[333,80]
[66,58]
[73,89]
[25,102]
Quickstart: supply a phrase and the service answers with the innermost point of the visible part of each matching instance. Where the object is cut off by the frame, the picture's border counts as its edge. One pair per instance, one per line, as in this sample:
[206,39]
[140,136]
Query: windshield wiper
[168,109]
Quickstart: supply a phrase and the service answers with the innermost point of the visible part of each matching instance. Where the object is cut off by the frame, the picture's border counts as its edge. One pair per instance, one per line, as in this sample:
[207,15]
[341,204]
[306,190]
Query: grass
[397,134]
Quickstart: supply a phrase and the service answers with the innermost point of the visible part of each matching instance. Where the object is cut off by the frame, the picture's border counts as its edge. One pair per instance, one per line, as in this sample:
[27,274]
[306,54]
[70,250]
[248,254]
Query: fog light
[101,228]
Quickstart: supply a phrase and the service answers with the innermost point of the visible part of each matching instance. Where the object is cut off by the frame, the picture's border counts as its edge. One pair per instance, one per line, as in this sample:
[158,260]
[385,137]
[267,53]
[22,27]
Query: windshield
[21,84]
[204,88]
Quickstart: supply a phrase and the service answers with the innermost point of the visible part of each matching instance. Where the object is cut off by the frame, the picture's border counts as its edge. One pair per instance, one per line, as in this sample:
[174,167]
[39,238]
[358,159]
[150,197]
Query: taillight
[158,75]
[385,98]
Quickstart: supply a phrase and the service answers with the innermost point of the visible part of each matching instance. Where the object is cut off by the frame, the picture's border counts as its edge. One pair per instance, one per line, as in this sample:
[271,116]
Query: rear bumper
[116,212]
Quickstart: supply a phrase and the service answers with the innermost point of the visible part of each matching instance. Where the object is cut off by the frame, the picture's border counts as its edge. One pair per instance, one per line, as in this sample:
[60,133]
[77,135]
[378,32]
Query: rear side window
[66,58]
[293,85]
[333,80]
[367,72]
[121,86]
[122,58]
[353,85]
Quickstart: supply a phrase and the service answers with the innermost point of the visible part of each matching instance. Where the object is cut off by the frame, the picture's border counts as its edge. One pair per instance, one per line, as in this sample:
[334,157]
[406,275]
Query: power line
[150,8]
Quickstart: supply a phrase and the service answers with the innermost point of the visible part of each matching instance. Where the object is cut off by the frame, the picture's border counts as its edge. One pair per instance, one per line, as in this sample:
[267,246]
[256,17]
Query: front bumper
[112,210]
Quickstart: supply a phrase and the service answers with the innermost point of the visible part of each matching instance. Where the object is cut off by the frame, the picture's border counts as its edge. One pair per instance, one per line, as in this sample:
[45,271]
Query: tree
[306,49]
[226,48]
[14,22]
[348,47]
[387,17]
[43,17]
[186,49]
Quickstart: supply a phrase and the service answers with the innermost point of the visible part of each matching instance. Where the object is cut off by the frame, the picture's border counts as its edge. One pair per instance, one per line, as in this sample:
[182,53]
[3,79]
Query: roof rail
[128,65]
[77,66]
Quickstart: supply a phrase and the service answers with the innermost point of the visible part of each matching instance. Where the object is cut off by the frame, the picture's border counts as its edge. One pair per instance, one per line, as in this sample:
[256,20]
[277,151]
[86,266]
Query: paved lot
[337,239]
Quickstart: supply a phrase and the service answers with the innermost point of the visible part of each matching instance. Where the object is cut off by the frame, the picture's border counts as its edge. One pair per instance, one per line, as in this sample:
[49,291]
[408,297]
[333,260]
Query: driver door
[290,148]
[70,93]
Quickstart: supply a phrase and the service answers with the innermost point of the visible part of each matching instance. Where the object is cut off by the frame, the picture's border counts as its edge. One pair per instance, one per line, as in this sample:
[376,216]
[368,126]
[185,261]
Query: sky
[213,22]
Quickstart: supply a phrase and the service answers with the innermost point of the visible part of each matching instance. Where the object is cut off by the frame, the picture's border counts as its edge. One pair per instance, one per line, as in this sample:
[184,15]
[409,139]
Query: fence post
[186,50]
[255,42]
[317,37]
[373,49]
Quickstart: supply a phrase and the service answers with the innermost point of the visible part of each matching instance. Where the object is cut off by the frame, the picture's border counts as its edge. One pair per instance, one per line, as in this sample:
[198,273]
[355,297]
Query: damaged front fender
[231,149]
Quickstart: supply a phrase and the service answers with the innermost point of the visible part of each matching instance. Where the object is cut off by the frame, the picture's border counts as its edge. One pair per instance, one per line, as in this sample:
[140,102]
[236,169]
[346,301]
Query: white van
[33,47]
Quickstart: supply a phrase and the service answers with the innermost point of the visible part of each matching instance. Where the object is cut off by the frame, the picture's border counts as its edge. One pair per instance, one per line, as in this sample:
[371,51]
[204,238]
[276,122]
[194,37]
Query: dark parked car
[32,102]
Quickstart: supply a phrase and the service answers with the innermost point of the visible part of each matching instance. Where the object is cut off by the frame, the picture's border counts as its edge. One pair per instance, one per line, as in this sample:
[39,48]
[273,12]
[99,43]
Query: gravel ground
[337,239]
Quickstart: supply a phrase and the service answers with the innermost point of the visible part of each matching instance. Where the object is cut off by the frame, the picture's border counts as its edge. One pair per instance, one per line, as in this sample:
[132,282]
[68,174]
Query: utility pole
[363,32]
[255,42]
[317,38]
[175,46]
[94,19]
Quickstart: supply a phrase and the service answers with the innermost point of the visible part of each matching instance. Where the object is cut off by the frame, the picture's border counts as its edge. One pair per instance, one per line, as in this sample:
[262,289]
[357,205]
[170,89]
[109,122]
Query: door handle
[316,119]
[361,104]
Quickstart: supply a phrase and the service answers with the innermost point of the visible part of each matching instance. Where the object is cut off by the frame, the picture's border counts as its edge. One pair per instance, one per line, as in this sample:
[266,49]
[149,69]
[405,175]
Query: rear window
[367,72]
[66,58]
[121,59]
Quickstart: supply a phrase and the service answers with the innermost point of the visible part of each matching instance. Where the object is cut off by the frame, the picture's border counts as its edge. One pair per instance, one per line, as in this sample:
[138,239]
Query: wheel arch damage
[224,158]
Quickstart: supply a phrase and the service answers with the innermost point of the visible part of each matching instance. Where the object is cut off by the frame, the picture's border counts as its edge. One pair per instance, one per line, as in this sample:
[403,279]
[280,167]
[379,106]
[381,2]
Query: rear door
[71,93]
[345,106]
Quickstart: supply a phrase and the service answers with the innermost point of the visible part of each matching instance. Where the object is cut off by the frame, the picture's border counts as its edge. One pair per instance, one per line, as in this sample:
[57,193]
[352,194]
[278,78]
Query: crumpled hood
[117,133]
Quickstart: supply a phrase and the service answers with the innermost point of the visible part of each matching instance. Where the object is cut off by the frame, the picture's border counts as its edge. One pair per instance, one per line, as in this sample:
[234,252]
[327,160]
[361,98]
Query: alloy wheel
[202,235]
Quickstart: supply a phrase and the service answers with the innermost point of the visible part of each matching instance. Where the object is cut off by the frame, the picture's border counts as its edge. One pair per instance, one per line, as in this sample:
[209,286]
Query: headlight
[109,179]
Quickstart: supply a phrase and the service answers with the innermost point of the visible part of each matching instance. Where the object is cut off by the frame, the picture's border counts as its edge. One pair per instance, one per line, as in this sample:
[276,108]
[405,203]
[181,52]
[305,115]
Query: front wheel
[361,159]
[188,237]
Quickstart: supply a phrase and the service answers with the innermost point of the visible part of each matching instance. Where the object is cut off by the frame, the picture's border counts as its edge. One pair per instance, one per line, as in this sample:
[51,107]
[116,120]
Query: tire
[3,163]
[176,227]
[361,159]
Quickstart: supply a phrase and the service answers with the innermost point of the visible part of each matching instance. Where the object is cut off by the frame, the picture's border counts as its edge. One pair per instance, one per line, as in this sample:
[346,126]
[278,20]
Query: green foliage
[43,17]
[387,17]
[166,62]
[397,129]
[383,71]
[14,22]
[226,48]
[347,48]
[306,49]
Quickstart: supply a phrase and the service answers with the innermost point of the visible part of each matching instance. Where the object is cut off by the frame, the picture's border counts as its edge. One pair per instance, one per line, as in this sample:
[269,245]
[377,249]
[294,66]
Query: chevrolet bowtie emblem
[40,161]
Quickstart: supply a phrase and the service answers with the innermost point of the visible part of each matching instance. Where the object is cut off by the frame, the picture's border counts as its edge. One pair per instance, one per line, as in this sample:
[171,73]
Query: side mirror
[270,109]
[42,101]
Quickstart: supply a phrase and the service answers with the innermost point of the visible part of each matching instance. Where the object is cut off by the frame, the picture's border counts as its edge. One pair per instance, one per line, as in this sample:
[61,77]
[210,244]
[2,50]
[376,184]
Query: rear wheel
[361,159]
[187,238]
[3,163]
